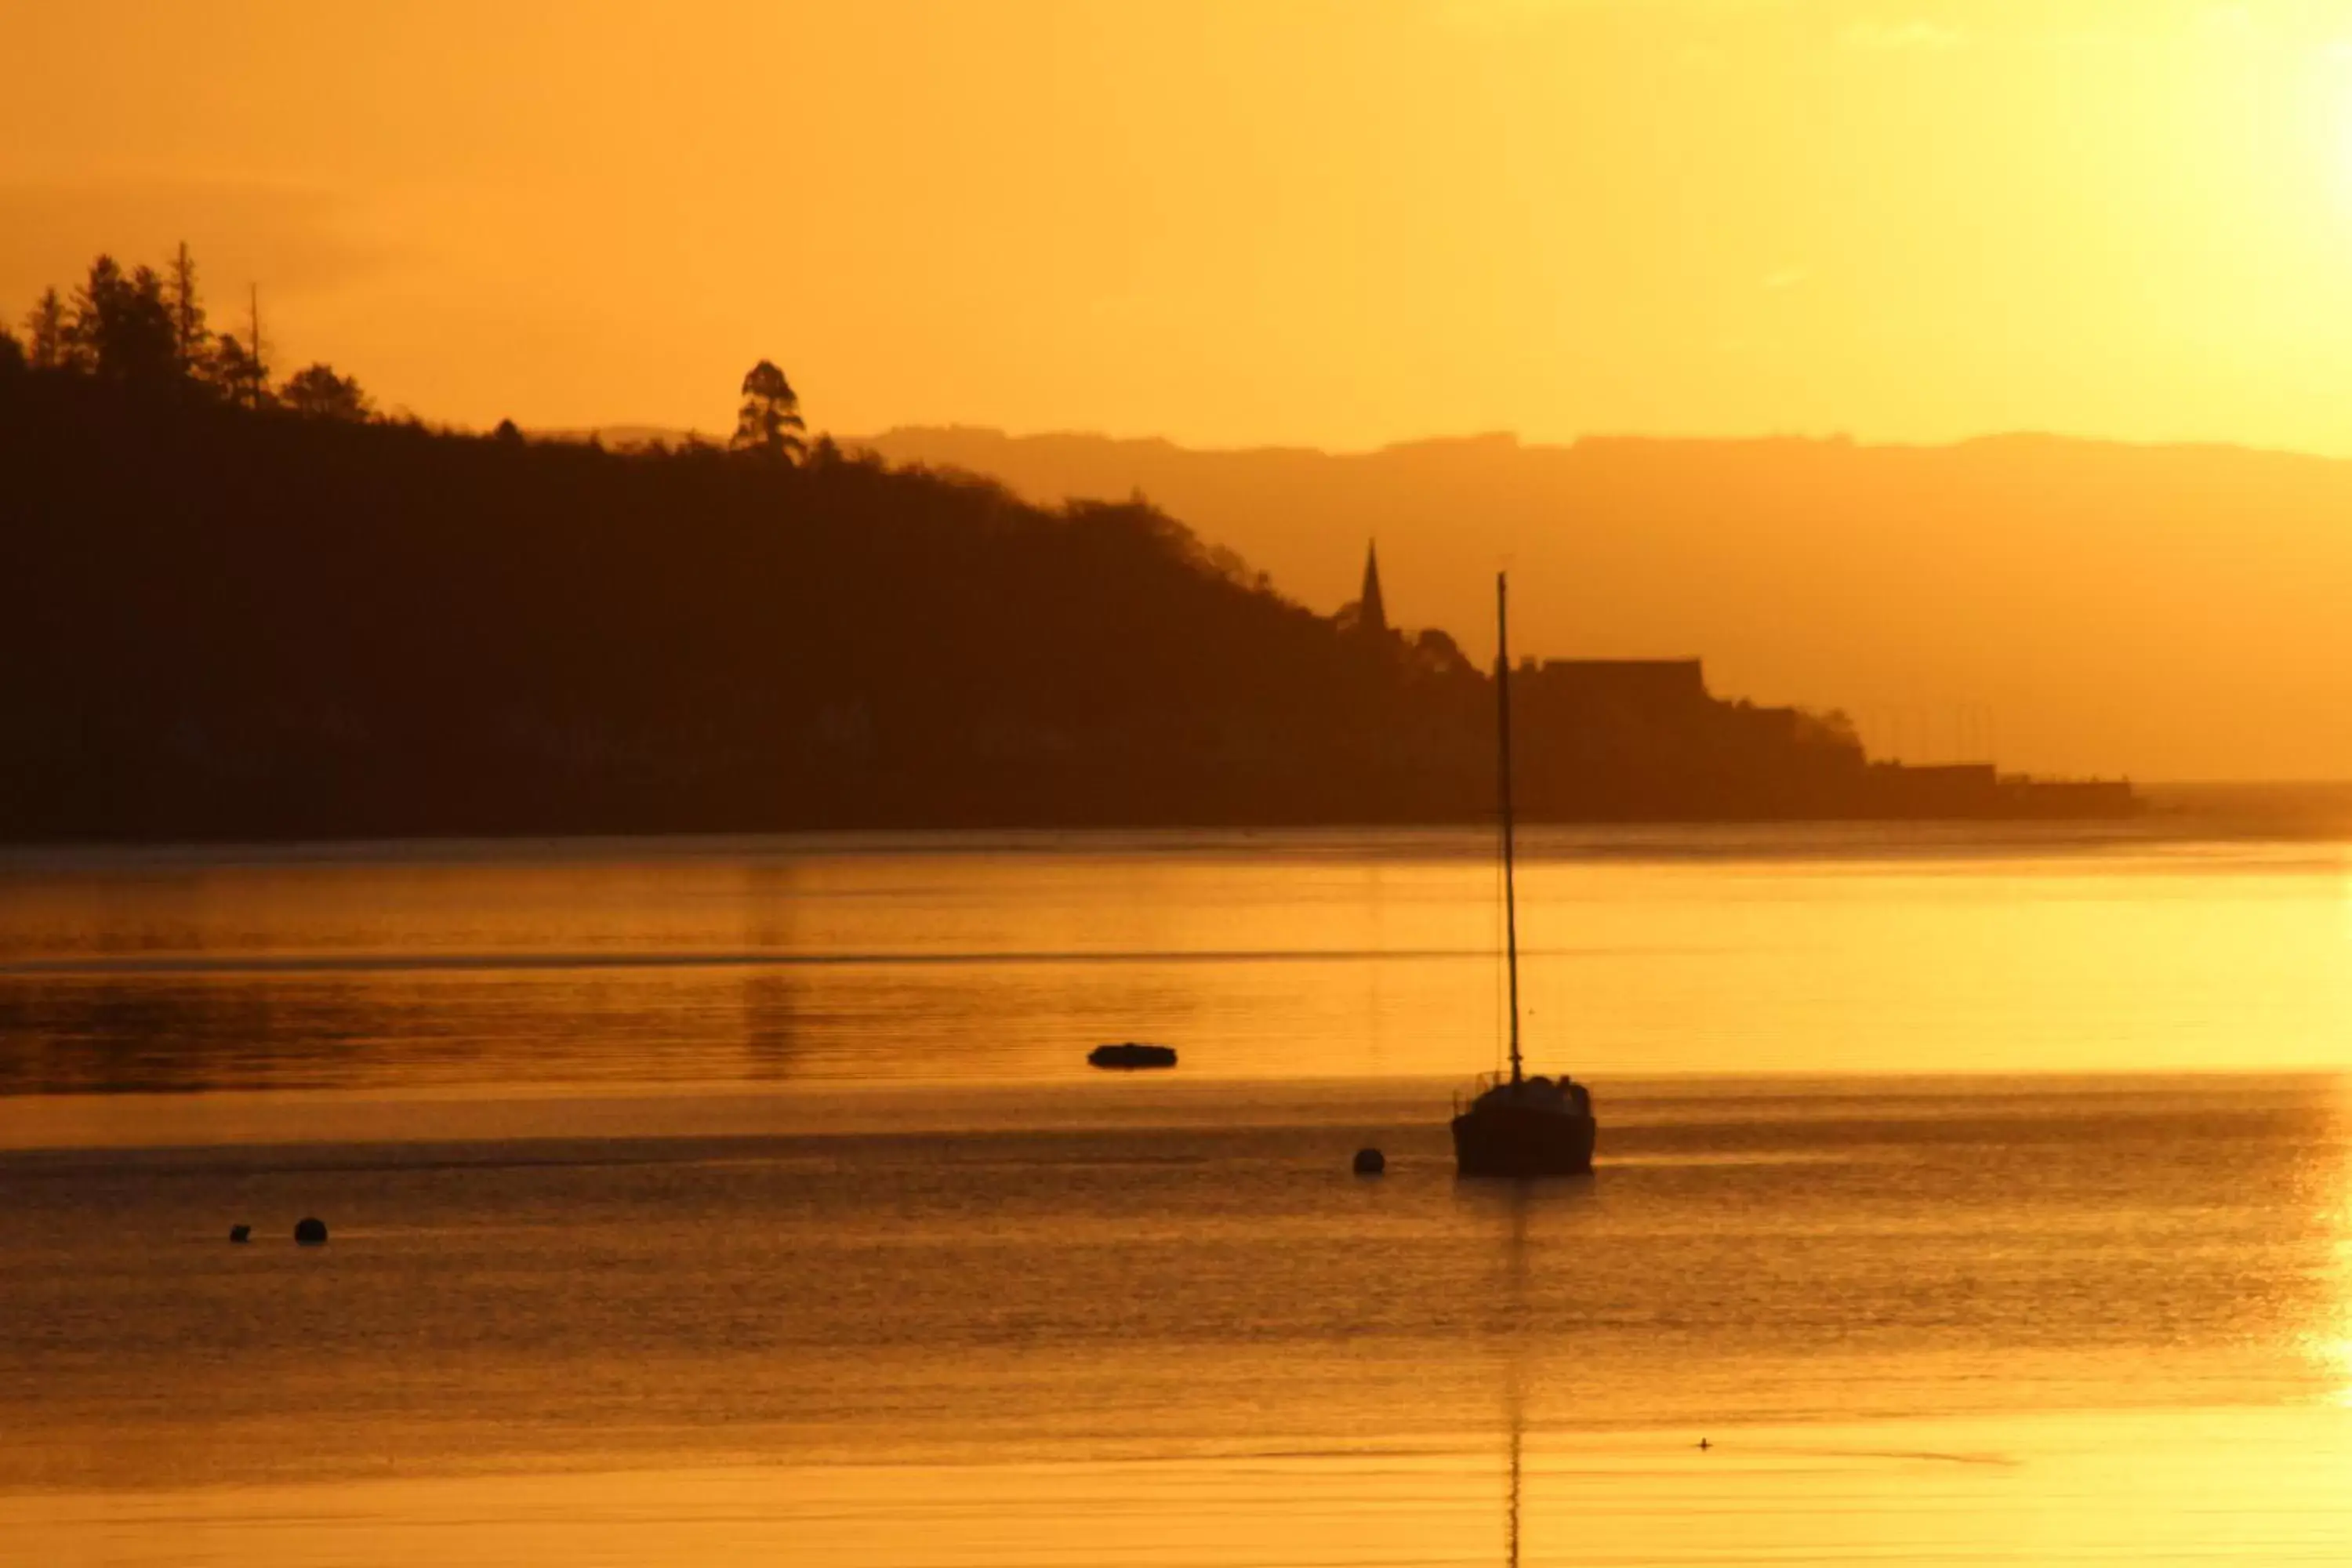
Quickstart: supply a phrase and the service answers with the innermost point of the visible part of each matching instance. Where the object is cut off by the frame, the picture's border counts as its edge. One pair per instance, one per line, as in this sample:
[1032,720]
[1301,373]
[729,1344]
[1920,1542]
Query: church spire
[1372,610]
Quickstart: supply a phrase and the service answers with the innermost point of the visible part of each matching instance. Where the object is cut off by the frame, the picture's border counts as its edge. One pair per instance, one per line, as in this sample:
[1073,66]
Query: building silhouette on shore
[1645,739]
[1372,605]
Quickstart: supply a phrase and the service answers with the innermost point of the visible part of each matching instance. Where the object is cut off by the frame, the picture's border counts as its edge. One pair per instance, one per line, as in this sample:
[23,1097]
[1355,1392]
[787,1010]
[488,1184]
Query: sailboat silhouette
[1522,1125]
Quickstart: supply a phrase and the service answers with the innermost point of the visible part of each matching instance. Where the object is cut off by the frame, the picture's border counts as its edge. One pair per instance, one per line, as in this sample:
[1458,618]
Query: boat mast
[1503,730]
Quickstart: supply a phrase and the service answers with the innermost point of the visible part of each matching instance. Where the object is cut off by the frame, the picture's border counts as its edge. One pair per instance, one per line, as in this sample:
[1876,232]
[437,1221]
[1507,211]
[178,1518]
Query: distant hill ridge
[2074,607]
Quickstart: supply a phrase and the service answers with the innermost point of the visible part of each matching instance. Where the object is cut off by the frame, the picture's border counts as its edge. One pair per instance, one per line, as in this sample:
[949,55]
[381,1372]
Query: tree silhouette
[770,423]
[241,378]
[46,347]
[92,303]
[12,354]
[121,327]
[191,344]
[318,393]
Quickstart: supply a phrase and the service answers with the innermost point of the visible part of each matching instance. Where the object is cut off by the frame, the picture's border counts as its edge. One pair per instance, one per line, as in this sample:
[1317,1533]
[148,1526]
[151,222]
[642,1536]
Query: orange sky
[1339,224]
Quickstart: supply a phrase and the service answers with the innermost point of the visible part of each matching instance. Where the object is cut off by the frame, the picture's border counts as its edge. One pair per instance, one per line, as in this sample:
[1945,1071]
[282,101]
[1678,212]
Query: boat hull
[1522,1141]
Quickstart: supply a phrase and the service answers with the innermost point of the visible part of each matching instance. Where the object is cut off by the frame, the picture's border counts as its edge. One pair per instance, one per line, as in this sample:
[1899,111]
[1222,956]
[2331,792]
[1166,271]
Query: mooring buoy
[311,1233]
[240,1233]
[1371,1162]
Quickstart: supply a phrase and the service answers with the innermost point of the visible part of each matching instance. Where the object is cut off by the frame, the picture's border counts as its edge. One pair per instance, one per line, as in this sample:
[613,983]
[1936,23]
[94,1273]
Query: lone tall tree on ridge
[770,423]
[192,345]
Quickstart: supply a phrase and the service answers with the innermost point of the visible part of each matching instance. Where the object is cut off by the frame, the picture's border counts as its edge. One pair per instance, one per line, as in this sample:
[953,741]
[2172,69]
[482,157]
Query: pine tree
[242,379]
[93,303]
[121,328]
[318,393]
[48,344]
[770,423]
[241,369]
[191,343]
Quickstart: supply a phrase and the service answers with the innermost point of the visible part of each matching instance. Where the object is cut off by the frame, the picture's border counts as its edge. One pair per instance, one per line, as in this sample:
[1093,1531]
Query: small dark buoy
[1132,1055]
[1704,1444]
[1371,1161]
[240,1233]
[311,1233]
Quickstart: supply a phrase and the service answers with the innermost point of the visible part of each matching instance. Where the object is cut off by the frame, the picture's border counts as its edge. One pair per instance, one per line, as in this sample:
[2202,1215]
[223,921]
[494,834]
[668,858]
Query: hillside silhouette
[242,607]
[2078,607]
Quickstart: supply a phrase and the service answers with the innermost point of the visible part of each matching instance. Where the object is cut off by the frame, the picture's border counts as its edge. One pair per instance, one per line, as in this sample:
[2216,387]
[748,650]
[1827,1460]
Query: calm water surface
[1979,1196]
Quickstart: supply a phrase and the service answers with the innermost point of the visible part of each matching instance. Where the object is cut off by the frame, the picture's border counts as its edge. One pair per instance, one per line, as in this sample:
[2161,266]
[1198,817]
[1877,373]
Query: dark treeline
[149,331]
[228,613]
[240,608]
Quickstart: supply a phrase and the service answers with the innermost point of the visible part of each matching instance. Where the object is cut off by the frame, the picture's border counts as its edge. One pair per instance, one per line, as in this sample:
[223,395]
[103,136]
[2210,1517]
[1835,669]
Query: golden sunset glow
[1176,783]
[1338,223]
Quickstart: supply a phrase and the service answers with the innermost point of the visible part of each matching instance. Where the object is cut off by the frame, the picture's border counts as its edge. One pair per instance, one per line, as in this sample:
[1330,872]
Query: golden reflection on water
[1260,956]
[1502,1427]
[2330,1343]
[2258,1488]
[2033,1320]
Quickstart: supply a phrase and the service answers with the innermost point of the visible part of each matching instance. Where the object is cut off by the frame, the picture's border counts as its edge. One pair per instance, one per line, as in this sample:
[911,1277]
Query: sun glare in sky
[2337,119]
